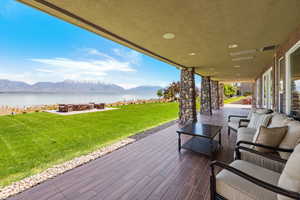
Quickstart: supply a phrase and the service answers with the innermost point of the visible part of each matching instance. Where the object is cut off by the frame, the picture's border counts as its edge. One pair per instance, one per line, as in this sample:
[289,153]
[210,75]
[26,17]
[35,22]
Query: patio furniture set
[267,156]
[80,107]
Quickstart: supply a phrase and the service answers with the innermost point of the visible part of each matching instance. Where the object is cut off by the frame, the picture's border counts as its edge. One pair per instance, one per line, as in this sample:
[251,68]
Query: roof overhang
[203,30]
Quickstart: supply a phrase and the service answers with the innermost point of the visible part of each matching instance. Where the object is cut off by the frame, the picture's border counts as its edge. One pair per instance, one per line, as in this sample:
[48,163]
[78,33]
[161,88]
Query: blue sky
[37,47]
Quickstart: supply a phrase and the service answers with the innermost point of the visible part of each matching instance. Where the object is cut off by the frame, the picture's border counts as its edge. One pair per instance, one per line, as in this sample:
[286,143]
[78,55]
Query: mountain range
[73,87]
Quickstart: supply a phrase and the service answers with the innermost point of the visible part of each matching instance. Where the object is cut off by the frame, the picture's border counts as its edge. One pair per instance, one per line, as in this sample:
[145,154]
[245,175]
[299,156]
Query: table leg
[179,142]
[220,138]
[211,148]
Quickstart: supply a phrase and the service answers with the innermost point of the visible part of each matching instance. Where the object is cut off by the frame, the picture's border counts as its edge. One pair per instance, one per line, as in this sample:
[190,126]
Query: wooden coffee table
[203,138]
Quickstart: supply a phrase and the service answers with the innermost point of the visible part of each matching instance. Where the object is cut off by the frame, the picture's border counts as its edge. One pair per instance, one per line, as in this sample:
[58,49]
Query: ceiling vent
[268,48]
[242,58]
[250,51]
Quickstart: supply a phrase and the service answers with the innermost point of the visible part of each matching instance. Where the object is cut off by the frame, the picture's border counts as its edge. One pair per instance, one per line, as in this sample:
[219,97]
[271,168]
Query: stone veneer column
[215,95]
[206,107]
[221,95]
[187,101]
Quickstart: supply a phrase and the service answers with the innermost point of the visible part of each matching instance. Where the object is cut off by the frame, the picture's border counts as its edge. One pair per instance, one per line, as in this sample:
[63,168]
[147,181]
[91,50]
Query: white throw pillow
[262,110]
[250,113]
[258,120]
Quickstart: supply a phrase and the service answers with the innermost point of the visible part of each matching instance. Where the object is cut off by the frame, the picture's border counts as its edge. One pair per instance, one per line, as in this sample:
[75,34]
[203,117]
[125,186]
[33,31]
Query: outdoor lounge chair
[237,121]
[245,138]
[247,181]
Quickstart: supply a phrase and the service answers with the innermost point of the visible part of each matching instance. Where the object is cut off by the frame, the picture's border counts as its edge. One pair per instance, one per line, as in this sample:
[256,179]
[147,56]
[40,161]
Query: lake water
[30,99]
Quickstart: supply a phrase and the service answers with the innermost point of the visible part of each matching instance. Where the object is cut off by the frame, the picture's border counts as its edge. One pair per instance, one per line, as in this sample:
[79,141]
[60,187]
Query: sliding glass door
[267,100]
[258,97]
[281,85]
[292,62]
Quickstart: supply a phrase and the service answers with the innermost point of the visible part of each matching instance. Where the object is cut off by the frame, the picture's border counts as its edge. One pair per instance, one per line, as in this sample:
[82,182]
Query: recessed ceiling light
[231,46]
[192,54]
[236,66]
[242,58]
[169,36]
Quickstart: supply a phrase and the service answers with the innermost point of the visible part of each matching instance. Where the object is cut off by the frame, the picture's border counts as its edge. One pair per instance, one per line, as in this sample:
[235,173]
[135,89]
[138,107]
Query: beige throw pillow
[290,177]
[291,139]
[270,137]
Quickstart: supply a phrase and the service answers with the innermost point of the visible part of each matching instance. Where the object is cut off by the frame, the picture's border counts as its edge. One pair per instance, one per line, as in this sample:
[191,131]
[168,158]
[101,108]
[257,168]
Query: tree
[159,93]
[172,91]
[229,90]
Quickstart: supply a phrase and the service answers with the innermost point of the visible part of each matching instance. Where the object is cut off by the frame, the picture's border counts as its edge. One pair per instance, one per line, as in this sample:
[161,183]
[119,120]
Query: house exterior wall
[245,88]
[279,54]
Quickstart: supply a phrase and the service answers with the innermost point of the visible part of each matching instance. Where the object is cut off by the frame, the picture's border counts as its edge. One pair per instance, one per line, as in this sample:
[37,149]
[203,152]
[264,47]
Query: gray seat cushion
[234,187]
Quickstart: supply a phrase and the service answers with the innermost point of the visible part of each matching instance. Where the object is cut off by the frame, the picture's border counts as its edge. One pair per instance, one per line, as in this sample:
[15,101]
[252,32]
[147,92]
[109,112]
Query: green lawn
[32,142]
[233,99]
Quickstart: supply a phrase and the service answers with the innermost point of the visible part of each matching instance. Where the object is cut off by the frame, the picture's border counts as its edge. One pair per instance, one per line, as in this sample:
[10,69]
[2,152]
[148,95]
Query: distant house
[243,88]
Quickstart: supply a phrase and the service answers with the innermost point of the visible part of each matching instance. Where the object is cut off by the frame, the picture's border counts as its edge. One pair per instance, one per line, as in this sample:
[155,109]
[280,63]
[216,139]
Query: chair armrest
[268,186]
[239,116]
[265,146]
[243,120]
[266,155]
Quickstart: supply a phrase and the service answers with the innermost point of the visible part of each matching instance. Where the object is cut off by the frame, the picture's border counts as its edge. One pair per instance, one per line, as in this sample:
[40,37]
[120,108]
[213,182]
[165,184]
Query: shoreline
[11,110]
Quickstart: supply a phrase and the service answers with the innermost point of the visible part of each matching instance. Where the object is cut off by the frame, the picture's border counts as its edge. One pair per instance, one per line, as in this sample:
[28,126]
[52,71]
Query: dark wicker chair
[253,177]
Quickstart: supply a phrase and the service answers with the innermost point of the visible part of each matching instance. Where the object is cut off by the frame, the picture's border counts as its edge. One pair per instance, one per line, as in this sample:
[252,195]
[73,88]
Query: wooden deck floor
[150,169]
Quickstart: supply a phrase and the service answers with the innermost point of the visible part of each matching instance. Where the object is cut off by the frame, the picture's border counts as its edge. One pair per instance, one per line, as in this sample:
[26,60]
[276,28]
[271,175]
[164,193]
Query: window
[295,82]
[267,89]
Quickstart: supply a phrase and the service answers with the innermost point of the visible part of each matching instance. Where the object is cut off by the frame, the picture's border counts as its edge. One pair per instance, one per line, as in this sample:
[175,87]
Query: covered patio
[222,41]
[151,168]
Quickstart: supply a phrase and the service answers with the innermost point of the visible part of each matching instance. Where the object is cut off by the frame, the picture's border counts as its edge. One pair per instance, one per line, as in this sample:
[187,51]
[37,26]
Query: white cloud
[82,68]
[89,65]
[133,57]
[93,65]
[97,53]
[44,70]
[127,85]
[27,77]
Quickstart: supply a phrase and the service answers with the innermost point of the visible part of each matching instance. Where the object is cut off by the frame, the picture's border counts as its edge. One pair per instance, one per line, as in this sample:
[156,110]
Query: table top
[201,130]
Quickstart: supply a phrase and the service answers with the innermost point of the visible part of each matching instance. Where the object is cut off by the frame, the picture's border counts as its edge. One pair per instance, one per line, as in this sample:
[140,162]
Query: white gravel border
[31,181]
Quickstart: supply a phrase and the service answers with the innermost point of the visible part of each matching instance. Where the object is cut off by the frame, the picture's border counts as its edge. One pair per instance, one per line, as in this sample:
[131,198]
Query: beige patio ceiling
[203,29]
